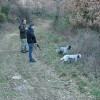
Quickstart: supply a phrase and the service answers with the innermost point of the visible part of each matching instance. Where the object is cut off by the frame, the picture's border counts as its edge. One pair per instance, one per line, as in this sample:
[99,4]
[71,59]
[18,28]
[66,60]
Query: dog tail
[61,59]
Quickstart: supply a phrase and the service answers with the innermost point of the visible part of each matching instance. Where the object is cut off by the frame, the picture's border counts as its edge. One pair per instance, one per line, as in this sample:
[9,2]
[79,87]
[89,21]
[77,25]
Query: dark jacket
[22,28]
[30,36]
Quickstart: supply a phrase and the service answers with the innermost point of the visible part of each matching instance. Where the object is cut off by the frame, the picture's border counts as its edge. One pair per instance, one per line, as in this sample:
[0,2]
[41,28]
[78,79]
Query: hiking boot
[32,60]
[23,51]
[26,51]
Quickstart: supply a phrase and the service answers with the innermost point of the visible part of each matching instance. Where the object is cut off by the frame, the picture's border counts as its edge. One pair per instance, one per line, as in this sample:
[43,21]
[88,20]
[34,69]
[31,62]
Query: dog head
[69,47]
[79,56]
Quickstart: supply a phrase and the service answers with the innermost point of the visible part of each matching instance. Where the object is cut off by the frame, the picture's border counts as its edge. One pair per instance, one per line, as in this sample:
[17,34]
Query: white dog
[63,50]
[75,57]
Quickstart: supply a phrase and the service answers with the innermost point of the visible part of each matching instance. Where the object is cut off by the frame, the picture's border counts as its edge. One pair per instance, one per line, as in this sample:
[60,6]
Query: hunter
[23,36]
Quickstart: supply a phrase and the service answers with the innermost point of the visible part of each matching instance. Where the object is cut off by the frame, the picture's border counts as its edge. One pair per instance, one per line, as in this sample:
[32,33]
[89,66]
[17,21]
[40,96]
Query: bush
[62,25]
[6,9]
[2,17]
[25,13]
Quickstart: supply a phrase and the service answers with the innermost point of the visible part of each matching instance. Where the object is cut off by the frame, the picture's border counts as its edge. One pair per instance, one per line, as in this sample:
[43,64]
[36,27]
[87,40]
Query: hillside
[57,23]
[39,81]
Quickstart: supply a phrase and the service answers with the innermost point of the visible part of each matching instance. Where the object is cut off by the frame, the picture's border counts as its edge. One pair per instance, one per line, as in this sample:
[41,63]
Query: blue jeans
[31,46]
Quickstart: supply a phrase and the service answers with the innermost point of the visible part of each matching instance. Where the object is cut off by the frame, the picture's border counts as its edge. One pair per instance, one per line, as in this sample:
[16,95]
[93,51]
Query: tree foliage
[88,10]
[6,9]
[2,17]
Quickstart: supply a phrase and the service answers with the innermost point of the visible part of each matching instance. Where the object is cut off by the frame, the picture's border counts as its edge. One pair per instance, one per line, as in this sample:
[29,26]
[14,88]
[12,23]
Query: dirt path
[38,81]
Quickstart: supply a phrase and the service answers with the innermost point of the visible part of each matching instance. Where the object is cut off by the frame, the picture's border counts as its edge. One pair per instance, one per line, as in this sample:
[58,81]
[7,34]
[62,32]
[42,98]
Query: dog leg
[75,59]
[66,59]
[64,52]
[61,59]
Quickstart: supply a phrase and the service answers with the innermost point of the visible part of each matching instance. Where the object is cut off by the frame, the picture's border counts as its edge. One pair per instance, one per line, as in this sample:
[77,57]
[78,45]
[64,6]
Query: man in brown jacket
[23,36]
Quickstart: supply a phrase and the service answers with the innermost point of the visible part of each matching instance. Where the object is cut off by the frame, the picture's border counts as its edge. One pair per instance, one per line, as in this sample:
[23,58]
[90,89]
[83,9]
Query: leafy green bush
[2,17]
[6,9]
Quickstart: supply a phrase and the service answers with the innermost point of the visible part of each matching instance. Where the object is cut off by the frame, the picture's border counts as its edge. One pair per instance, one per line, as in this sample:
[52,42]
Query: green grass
[51,42]
[3,79]
[81,85]
[10,93]
[74,73]
[96,92]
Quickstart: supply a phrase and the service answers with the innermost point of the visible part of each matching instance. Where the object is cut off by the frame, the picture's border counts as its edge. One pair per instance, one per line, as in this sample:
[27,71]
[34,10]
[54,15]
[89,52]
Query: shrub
[25,13]
[37,11]
[6,9]
[62,25]
[2,17]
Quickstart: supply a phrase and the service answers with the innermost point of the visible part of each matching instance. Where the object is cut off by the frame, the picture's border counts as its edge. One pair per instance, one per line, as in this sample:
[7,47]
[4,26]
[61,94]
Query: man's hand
[26,28]
[38,45]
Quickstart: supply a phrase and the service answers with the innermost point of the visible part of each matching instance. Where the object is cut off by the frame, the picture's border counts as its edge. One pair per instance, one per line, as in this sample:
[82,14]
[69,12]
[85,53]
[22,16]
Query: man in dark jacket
[31,39]
[23,36]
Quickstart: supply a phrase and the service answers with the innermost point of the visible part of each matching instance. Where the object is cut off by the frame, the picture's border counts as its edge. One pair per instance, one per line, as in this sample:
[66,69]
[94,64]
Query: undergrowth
[49,43]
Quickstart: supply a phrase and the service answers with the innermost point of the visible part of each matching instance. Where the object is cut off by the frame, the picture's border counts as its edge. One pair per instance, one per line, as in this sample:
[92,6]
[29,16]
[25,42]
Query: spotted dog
[63,50]
[74,56]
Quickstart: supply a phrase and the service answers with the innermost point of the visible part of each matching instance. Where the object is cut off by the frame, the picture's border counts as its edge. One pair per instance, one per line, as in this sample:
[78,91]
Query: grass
[10,93]
[81,85]
[6,68]
[49,56]
[96,92]
[74,73]
[49,42]
[3,79]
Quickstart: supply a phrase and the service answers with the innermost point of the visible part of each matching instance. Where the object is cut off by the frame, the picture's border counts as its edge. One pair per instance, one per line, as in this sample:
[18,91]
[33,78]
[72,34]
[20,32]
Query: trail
[38,80]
